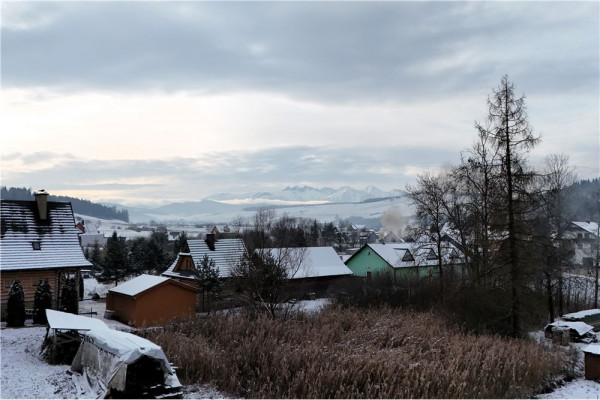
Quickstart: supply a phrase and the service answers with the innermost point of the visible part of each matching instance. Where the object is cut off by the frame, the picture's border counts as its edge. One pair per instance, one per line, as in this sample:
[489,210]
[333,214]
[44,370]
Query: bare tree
[429,197]
[557,176]
[262,276]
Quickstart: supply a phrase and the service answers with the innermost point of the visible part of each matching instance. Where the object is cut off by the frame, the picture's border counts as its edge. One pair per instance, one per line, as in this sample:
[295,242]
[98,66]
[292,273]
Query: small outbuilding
[151,300]
[592,361]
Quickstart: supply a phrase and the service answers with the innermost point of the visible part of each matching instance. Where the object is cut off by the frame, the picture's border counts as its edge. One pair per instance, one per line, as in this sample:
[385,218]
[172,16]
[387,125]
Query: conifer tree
[69,297]
[16,305]
[207,277]
[42,300]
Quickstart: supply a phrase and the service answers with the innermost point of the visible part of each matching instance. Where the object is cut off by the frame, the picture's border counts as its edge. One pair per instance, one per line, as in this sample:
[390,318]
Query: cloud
[186,179]
[325,51]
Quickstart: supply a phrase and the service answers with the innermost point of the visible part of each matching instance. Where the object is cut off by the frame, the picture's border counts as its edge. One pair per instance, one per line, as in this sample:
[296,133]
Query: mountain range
[223,207]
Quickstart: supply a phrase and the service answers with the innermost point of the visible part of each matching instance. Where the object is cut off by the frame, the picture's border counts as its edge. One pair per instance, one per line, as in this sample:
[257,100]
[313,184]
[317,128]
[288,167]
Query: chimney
[210,241]
[41,198]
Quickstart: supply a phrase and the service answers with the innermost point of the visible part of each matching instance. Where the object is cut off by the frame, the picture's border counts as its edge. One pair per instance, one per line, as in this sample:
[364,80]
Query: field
[350,353]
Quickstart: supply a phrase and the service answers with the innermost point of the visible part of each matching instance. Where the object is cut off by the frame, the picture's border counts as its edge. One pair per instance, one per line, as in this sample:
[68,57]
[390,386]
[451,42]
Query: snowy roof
[66,321]
[227,252]
[314,261]
[138,284]
[592,348]
[56,237]
[580,327]
[591,227]
[580,314]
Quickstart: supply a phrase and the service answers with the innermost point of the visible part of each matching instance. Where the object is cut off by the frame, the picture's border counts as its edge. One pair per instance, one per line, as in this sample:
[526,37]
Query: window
[36,244]
[8,284]
[580,246]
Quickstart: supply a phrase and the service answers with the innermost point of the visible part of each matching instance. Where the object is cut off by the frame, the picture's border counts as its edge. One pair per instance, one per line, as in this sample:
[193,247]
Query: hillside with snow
[324,204]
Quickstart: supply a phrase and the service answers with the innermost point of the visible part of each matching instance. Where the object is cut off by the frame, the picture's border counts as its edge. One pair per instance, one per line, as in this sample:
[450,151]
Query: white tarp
[104,355]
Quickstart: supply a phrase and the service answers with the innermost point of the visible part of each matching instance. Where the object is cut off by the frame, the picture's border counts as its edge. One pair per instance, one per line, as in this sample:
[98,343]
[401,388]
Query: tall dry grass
[352,353]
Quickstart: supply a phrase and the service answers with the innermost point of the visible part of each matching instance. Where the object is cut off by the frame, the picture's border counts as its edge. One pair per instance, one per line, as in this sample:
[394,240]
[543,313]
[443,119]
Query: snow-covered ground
[577,389]
[25,375]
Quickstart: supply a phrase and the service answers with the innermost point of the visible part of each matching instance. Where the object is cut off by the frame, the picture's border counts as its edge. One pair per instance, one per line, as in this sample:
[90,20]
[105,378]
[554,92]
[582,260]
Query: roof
[592,349]
[580,327]
[591,227]
[314,262]
[138,284]
[227,252]
[65,321]
[57,237]
[409,254]
[581,314]
[143,283]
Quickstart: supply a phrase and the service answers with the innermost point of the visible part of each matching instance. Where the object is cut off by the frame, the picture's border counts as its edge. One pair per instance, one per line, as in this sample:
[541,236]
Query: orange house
[149,300]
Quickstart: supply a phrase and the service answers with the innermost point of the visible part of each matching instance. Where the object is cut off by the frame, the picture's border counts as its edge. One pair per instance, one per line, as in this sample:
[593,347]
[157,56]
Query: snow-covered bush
[16,305]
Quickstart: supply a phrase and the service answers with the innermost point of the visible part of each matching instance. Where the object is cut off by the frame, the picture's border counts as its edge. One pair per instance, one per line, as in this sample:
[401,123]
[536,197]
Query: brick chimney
[210,241]
[41,198]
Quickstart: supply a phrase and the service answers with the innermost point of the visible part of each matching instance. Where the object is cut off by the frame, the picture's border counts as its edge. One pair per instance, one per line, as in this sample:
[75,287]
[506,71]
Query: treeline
[80,206]
[582,200]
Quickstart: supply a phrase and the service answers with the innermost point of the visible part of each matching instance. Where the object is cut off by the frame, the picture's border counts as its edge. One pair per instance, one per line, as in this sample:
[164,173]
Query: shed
[151,300]
[592,361]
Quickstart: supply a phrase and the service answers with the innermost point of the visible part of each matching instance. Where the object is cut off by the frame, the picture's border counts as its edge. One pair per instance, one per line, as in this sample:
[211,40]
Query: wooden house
[314,270]
[149,300]
[38,241]
[224,252]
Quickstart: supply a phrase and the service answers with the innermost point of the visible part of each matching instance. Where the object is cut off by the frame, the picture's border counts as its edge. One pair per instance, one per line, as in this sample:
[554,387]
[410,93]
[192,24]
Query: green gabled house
[403,261]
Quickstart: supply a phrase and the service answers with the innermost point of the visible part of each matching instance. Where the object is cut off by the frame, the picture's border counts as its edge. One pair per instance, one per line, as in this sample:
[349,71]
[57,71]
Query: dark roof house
[38,240]
[224,252]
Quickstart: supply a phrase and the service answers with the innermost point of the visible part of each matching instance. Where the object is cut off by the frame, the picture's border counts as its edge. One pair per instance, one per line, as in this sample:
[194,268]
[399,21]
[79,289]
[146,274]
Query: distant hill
[80,206]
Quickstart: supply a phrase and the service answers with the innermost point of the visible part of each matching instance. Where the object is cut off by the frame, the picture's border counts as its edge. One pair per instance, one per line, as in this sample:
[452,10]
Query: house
[367,237]
[583,238]
[38,241]
[401,260]
[224,252]
[151,300]
[311,269]
[311,262]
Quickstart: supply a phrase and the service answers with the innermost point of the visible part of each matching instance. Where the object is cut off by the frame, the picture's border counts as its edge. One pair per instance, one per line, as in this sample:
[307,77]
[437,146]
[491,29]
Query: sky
[145,103]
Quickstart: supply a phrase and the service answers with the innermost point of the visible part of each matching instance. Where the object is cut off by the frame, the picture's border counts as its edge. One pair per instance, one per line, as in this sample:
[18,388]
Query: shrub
[16,305]
[42,300]
[354,353]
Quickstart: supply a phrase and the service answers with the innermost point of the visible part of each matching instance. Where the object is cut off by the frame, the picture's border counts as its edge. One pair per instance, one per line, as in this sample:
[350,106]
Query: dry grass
[351,353]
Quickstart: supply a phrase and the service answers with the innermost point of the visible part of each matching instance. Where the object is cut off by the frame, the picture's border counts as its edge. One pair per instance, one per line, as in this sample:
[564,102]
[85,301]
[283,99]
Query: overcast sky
[152,102]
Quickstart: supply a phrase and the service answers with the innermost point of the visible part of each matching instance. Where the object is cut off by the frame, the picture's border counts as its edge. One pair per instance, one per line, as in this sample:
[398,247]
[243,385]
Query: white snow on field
[577,389]
[312,306]
[25,375]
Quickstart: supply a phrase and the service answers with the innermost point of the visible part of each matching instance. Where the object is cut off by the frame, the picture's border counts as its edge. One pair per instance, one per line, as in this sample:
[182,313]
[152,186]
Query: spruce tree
[207,278]
[16,305]
[69,297]
[42,300]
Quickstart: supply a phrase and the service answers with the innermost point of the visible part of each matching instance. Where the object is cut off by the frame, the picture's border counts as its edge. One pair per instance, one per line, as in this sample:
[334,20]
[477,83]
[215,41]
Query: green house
[401,260]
